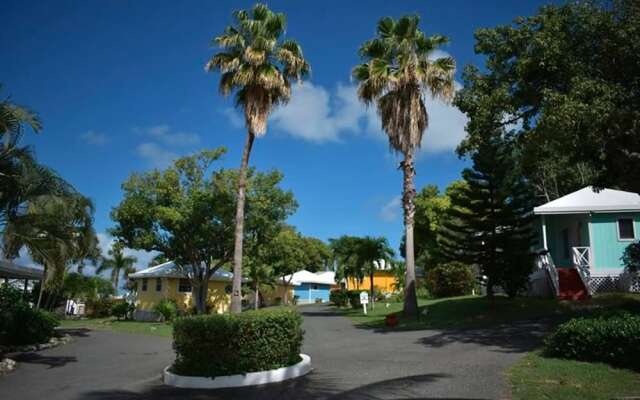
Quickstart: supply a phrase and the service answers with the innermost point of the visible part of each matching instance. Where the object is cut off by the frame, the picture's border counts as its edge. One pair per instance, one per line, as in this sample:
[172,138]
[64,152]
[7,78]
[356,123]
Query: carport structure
[12,271]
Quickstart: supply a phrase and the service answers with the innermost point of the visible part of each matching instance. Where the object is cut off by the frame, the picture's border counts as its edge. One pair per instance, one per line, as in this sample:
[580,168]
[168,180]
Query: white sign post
[364,300]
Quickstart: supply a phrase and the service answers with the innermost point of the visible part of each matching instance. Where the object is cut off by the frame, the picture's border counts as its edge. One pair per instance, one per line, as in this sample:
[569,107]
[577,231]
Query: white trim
[544,233]
[248,379]
[633,229]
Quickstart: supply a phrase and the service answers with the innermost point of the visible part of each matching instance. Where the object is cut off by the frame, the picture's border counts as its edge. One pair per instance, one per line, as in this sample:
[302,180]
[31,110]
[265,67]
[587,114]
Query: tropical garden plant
[397,72]
[256,64]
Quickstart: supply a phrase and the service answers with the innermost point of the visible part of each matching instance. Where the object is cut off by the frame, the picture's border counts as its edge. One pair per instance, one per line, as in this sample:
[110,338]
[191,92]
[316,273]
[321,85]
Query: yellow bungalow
[167,281]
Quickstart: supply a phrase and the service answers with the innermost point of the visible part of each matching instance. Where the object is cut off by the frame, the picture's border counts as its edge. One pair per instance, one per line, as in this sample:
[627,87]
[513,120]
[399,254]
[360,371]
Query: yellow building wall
[383,281]
[147,300]
[270,295]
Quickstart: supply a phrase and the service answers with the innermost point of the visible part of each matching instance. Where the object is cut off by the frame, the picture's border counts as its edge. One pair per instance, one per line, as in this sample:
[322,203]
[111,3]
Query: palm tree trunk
[409,193]
[200,294]
[116,278]
[236,295]
[256,303]
[371,288]
[44,275]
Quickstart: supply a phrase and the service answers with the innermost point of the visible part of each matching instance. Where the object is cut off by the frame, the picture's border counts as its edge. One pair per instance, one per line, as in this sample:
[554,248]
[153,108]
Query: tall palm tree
[118,263]
[397,72]
[256,64]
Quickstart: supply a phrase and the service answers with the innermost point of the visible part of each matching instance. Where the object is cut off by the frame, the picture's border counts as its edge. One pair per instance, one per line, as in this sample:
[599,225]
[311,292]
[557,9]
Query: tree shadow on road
[509,338]
[308,387]
[51,361]
[75,332]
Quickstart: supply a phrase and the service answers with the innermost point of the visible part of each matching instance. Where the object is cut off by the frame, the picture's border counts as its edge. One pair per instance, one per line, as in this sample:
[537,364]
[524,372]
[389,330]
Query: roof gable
[587,200]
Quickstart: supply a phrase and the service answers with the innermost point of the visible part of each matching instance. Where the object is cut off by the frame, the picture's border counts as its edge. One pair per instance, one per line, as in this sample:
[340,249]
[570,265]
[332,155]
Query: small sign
[364,298]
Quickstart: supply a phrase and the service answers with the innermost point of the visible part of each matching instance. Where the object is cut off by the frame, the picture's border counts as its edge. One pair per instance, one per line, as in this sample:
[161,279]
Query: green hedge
[215,345]
[19,323]
[450,279]
[612,339]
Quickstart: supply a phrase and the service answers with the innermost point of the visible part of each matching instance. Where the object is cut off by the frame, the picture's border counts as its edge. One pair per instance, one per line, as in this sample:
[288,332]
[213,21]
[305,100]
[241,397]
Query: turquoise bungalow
[584,235]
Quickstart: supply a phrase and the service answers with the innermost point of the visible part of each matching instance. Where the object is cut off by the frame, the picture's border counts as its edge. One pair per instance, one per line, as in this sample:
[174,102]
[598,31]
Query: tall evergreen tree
[489,223]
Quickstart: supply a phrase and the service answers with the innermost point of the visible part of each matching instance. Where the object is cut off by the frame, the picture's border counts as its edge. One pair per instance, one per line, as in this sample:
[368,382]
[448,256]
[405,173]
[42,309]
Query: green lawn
[537,377]
[476,311]
[145,328]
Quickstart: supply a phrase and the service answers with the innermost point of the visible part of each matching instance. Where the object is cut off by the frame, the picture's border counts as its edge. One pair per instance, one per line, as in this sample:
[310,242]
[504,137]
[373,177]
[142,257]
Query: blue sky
[120,87]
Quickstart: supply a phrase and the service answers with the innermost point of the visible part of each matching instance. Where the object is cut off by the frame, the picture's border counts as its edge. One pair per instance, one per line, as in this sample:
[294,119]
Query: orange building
[383,281]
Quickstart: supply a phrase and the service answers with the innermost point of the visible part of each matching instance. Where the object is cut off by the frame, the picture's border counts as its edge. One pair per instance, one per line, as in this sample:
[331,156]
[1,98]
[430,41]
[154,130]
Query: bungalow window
[315,287]
[144,284]
[184,286]
[625,229]
[158,284]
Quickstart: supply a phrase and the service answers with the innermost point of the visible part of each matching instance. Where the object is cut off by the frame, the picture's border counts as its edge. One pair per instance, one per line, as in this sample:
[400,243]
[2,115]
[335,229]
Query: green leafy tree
[565,83]
[396,74]
[286,256]
[344,254]
[57,232]
[118,263]
[186,212]
[489,223]
[257,65]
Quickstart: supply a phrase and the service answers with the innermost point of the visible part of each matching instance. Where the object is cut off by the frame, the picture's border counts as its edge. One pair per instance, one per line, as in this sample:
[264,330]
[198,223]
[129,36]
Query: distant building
[310,287]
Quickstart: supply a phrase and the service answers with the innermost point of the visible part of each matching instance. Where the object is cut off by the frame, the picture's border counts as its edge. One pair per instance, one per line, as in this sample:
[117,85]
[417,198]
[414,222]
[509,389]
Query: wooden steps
[571,286]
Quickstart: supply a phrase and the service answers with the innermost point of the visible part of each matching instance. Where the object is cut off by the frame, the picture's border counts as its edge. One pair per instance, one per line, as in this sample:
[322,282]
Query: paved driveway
[349,363]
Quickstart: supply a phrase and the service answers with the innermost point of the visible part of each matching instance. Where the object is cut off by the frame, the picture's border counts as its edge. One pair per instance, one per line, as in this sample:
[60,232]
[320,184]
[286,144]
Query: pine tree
[489,222]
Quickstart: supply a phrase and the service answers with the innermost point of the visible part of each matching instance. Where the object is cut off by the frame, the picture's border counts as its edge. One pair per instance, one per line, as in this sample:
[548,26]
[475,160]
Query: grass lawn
[145,328]
[476,311]
[537,377]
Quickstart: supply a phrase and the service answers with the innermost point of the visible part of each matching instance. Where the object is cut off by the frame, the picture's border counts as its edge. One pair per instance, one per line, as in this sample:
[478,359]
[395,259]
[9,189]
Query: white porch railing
[545,261]
[582,260]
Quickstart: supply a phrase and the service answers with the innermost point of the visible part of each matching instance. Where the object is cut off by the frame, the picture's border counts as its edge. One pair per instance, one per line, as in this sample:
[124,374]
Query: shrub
[122,310]
[422,292]
[214,345]
[29,326]
[19,323]
[612,339]
[339,298]
[167,309]
[354,298]
[631,257]
[100,307]
[450,279]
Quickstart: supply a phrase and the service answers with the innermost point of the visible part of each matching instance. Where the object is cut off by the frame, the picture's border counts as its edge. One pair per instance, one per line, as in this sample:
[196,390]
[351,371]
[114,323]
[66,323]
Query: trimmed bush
[354,298]
[100,307]
[228,344]
[339,298]
[613,339]
[450,279]
[167,309]
[122,310]
[19,323]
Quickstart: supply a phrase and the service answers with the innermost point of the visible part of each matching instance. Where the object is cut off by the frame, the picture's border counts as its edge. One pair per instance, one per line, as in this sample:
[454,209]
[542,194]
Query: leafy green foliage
[631,257]
[215,345]
[187,211]
[168,309]
[100,307]
[19,323]
[450,279]
[613,339]
[565,83]
[489,221]
[122,309]
[339,297]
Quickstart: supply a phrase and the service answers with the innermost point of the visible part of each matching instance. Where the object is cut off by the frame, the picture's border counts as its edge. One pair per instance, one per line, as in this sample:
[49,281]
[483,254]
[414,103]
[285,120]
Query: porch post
[591,246]
[544,232]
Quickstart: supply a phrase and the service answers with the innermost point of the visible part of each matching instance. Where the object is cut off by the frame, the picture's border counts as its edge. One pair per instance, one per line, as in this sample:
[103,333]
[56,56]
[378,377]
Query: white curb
[248,379]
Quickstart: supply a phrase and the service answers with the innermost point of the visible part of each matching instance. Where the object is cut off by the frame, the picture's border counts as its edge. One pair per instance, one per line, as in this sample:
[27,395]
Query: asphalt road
[349,363]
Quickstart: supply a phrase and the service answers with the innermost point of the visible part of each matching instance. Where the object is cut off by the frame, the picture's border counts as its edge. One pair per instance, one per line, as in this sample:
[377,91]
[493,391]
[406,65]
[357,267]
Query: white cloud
[235,119]
[318,115]
[155,155]
[391,210]
[94,138]
[167,136]
[143,257]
